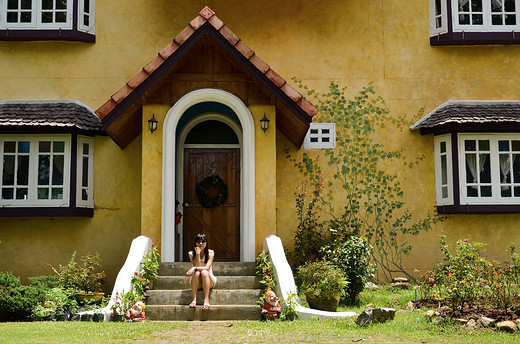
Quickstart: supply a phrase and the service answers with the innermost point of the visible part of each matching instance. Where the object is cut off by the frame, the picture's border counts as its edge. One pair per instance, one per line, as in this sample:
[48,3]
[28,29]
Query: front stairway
[233,298]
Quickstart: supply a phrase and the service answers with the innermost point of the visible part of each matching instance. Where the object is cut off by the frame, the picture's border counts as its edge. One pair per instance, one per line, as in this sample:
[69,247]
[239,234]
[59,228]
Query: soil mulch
[469,312]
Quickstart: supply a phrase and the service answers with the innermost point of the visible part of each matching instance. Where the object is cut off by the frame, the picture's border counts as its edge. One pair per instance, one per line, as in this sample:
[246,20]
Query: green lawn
[407,327]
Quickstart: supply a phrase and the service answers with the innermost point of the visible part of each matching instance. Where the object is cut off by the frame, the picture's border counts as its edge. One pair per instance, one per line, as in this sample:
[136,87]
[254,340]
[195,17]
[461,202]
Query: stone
[401,285]
[371,286]
[486,322]
[507,326]
[460,321]
[375,315]
[399,279]
[472,324]
[410,306]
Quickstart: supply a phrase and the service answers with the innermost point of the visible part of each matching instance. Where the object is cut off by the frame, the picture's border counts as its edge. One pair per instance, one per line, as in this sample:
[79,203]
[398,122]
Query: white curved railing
[285,282]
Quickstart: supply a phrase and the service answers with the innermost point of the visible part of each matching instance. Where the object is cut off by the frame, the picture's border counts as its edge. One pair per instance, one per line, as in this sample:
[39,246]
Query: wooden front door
[221,224]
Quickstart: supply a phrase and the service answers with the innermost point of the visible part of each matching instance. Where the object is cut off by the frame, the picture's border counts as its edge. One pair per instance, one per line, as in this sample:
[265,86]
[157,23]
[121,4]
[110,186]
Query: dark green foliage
[45,282]
[264,269]
[8,280]
[353,256]
[17,302]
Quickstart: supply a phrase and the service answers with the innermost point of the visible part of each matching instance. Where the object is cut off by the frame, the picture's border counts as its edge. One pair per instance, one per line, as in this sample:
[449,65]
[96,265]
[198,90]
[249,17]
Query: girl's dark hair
[202,237]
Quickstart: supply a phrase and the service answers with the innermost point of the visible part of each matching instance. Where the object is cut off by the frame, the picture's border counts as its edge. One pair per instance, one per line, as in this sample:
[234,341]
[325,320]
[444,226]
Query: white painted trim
[180,157]
[486,26]
[319,143]
[247,216]
[89,203]
[434,30]
[36,22]
[438,169]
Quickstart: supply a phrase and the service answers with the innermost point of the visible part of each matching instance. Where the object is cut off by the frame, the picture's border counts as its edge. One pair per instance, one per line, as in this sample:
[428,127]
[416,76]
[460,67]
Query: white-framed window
[489,168]
[443,169]
[87,16]
[320,136]
[485,15]
[35,170]
[85,175]
[438,17]
[36,14]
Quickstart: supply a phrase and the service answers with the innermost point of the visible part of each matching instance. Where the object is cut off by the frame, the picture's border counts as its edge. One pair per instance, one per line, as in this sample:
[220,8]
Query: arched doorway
[209,150]
[173,166]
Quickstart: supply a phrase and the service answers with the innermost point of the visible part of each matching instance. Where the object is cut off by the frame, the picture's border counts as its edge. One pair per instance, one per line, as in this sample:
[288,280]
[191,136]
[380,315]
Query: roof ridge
[206,15]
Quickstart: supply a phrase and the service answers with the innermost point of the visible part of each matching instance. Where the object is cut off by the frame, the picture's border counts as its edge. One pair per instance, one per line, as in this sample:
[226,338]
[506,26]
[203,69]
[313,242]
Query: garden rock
[371,286]
[375,315]
[507,326]
[461,321]
[472,325]
[401,285]
[486,322]
[431,313]
[410,306]
[399,279]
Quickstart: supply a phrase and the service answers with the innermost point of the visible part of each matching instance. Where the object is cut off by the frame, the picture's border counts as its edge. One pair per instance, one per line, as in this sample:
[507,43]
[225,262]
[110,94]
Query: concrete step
[219,268]
[223,282]
[217,297]
[217,312]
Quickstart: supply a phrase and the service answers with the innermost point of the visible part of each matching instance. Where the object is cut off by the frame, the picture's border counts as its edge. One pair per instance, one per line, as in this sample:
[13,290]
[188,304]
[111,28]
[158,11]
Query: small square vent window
[321,135]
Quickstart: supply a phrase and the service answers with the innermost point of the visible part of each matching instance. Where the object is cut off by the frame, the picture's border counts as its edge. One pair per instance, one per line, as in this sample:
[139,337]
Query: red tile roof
[207,16]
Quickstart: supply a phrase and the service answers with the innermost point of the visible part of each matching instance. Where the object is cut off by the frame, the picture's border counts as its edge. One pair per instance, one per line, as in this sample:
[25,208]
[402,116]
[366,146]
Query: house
[115,119]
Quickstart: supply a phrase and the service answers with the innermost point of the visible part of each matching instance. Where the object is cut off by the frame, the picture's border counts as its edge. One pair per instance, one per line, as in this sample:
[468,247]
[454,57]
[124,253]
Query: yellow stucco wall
[351,42]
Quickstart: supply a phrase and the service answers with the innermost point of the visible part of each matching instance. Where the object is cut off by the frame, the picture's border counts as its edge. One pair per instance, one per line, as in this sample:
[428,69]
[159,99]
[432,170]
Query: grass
[407,327]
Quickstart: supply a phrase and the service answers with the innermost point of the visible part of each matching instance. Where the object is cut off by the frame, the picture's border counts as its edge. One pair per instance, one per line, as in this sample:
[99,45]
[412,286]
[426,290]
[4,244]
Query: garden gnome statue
[136,312]
[271,309]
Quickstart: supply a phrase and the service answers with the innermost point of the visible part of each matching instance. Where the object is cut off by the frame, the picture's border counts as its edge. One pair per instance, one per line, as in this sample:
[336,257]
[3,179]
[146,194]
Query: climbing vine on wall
[373,203]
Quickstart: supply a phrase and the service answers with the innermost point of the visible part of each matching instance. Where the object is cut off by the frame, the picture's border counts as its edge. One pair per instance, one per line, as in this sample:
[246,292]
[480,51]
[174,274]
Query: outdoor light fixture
[264,123]
[152,123]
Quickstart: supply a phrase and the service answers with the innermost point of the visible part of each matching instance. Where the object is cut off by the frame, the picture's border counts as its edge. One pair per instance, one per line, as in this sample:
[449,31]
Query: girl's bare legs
[195,285]
[207,284]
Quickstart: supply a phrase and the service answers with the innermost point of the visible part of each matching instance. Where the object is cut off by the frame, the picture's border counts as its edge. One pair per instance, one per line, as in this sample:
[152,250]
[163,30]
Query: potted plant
[323,284]
[83,278]
[289,309]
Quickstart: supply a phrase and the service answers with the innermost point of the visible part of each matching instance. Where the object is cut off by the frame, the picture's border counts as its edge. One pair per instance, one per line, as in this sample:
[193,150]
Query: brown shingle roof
[49,113]
[121,100]
[464,113]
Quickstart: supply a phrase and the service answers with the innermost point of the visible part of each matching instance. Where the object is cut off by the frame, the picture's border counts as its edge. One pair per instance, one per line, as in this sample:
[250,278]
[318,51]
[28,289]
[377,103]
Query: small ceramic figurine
[136,313]
[271,309]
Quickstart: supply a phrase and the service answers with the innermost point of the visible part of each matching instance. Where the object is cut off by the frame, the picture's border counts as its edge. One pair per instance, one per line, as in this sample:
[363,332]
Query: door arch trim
[247,182]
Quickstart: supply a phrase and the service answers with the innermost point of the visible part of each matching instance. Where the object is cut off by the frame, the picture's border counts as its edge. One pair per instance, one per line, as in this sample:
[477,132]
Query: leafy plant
[150,264]
[8,280]
[289,307]
[45,282]
[264,269]
[140,284]
[353,257]
[82,277]
[321,276]
[124,301]
[372,200]
[16,300]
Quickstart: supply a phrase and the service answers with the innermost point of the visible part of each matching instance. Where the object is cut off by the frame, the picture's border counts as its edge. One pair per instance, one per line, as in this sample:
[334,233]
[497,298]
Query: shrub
[8,280]
[264,269]
[321,276]
[45,282]
[17,302]
[353,257]
[81,277]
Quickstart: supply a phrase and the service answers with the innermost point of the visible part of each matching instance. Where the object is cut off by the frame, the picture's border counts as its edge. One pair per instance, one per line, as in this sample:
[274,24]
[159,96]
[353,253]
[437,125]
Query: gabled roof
[58,115]
[456,115]
[113,111]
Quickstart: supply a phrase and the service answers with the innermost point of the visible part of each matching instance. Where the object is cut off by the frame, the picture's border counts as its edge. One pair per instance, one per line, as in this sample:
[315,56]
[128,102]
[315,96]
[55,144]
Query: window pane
[516,168]
[496,5]
[25,17]
[61,4]
[471,168]
[314,139]
[438,22]
[85,148]
[517,191]
[9,146]
[470,145]
[47,4]
[437,7]
[464,19]
[84,194]
[12,17]
[12,4]
[61,17]
[7,193]
[464,7]
[57,193]
[444,192]
[44,169]
[46,17]
[314,131]
[472,191]
[476,5]
[44,146]
[444,170]
[22,173]
[43,193]
[443,147]
[510,19]
[26,4]
[57,170]
[24,147]
[483,145]
[503,146]
[505,191]
[86,6]
[58,147]
[485,191]
[8,172]
[86,20]
[476,19]
[504,168]
[496,20]
[510,5]
[84,176]
[485,168]
[515,145]
[21,193]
